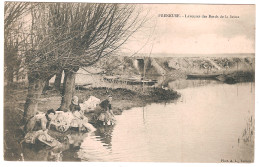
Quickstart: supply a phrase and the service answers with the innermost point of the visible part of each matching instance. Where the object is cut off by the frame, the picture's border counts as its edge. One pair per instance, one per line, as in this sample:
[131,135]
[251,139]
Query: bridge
[141,63]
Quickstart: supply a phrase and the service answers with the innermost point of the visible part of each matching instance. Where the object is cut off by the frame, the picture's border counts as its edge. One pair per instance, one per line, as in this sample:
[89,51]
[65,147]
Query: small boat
[110,78]
[83,86]
[227,79]
[141,82]
[202,76]
[135,80]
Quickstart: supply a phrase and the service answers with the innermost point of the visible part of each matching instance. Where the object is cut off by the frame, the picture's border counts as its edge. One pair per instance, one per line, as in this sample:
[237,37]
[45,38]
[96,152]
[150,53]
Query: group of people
[40,123]
[104,112]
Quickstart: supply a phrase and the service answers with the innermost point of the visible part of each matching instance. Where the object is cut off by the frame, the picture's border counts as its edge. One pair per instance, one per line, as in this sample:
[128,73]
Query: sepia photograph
[129,82]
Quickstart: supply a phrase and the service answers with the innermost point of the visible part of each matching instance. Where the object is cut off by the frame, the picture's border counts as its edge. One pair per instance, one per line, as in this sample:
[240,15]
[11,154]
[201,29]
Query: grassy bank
[14,100]
[124,99]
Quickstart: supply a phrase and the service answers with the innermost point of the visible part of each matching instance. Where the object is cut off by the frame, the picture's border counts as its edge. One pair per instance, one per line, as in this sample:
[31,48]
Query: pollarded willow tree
[13,37]
[68,36]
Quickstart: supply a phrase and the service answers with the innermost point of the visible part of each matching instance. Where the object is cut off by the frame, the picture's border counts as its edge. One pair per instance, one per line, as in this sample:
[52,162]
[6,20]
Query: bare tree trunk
[57,81]
[68,89]
[10,79]
[46,85]
[35,89]
[9,76]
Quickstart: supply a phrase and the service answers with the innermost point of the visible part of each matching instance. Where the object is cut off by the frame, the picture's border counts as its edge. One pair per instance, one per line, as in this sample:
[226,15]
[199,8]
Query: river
[210,122]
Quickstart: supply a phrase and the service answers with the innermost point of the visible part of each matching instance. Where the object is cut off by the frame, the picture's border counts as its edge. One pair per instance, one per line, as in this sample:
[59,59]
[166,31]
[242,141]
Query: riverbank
[237,77]
[156,121]
[179,66]
[123,99]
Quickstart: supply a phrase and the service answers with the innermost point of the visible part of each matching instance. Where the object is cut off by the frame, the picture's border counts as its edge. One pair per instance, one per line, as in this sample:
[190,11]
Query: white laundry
[90,104]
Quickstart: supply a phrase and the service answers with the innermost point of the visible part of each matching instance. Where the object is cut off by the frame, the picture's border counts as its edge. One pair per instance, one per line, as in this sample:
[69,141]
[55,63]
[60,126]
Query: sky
[182,35]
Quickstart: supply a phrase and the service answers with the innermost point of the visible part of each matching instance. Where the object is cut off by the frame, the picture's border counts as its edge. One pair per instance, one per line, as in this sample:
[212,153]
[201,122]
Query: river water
[210,122]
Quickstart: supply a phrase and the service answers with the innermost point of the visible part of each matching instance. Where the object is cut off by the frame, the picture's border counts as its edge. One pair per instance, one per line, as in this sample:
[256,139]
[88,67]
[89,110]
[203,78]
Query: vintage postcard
[108,82]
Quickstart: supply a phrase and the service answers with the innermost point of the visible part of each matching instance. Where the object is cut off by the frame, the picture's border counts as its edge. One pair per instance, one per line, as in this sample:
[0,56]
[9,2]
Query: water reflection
[182,84]
[97,146]
[72,145]
[66,151]
[249,131]
[172,82]
[203,126]
[104,134]
[209,123]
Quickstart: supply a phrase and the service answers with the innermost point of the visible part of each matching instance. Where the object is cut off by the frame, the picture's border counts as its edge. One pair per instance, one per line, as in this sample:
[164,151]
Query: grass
[14,99]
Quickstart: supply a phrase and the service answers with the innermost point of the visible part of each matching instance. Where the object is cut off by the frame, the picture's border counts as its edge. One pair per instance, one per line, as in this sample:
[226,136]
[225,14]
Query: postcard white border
[121,164]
